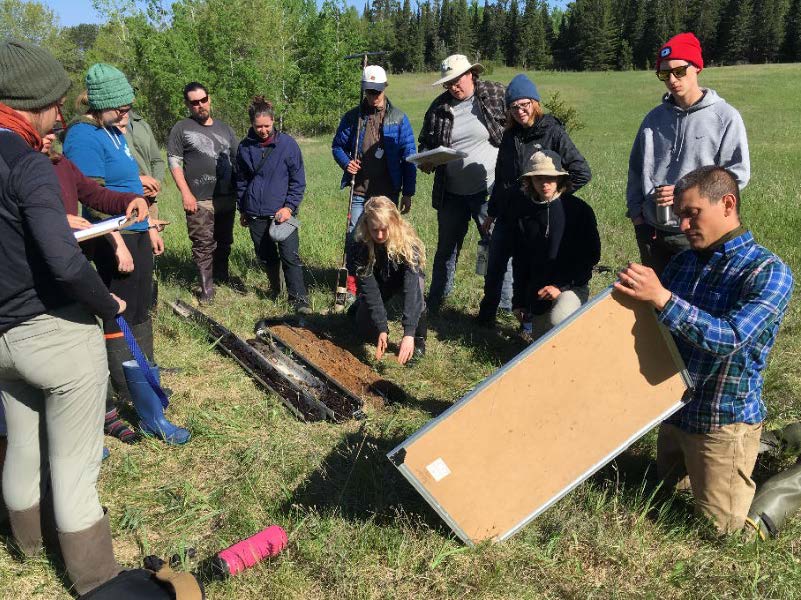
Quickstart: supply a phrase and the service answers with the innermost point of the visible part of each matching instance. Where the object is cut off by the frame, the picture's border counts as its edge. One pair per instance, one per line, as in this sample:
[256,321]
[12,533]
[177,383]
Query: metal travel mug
[664,212]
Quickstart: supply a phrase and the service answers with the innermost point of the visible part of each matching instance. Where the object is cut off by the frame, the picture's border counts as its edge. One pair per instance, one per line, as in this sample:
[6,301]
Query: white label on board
[438,469]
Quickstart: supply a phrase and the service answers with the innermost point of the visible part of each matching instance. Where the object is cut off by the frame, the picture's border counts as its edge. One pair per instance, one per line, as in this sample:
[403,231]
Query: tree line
[292,50]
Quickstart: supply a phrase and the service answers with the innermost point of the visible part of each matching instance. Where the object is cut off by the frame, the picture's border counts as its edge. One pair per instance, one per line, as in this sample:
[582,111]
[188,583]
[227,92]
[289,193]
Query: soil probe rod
[341,292]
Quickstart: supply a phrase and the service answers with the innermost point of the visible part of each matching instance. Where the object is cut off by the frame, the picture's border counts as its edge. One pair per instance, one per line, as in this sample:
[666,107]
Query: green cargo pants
[53,378]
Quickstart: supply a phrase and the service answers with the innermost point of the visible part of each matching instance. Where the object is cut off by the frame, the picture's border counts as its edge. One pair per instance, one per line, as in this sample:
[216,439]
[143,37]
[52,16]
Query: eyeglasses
[677,72]
[520,107]
[203,100]
[123,110]
[454,82]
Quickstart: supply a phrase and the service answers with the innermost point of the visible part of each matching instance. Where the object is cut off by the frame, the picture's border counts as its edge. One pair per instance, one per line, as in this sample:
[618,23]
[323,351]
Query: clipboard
[436,157]
[103,227]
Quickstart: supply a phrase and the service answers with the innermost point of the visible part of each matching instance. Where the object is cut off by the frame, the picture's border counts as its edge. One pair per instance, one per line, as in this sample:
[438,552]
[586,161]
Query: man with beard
[200,153]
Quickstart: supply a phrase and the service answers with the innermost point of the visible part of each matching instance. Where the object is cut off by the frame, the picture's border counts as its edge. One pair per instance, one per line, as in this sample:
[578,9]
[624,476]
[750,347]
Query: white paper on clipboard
[437,156]
[102,228]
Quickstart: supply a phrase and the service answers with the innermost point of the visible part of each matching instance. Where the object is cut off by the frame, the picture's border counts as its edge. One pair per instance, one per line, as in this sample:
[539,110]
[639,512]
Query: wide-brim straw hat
[455,66]
[546,163]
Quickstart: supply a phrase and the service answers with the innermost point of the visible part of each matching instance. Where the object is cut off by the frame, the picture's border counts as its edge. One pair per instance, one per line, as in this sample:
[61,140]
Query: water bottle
[482,257]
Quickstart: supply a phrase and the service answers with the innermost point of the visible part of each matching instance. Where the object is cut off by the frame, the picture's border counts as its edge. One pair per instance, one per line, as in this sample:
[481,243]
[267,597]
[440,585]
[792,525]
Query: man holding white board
[468,117]
[723,301]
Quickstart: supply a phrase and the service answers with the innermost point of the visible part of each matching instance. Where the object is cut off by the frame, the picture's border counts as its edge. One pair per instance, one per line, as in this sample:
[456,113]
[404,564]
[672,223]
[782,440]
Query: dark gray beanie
[30,78]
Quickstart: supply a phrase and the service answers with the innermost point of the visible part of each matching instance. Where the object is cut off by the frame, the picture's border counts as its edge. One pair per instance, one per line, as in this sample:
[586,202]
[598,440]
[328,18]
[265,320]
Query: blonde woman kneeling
[390,259]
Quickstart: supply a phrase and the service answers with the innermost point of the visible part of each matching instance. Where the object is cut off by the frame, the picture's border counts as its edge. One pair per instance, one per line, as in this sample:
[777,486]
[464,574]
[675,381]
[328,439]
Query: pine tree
[535,52]
[597,46]
[461,33]
[734,34]
[792,37]
[513,46]
[703,19]
[768,37]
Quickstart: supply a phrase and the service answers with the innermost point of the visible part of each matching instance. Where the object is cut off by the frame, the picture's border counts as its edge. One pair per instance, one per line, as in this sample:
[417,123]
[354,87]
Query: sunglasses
[373,92]
[123,110]
[203,100]
[677,72]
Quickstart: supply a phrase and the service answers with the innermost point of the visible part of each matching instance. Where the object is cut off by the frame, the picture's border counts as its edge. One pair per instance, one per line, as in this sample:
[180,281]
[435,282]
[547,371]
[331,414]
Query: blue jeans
[498,282]
[453,219]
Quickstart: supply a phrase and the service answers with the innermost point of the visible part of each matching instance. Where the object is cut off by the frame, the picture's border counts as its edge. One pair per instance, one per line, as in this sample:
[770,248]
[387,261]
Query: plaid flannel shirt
[724,315]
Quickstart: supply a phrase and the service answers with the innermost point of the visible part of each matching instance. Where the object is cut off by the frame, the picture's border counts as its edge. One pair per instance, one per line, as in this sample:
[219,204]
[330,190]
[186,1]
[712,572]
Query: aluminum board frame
[396,455]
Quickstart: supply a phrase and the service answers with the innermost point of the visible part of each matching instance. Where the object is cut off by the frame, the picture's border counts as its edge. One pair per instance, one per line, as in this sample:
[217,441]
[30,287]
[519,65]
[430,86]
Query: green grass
[356,528]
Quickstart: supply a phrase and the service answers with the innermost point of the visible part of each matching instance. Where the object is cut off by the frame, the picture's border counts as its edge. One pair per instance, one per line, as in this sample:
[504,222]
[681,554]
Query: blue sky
[73,12]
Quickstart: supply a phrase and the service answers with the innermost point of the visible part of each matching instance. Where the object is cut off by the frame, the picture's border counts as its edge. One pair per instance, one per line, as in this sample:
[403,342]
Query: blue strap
[143,363]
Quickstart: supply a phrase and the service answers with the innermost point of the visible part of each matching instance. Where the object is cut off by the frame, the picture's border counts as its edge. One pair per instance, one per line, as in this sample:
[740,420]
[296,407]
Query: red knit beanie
[684,46]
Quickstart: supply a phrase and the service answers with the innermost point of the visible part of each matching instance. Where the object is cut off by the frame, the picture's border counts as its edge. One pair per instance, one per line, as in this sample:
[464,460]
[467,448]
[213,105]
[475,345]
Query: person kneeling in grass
[723,302]
[390,258]
[556,246]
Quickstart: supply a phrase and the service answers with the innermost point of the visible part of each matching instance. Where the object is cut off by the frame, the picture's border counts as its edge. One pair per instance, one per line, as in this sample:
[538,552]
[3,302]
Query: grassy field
[356,528]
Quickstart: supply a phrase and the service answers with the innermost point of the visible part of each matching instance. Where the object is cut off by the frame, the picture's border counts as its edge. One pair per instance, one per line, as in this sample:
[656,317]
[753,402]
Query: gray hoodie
[672,142]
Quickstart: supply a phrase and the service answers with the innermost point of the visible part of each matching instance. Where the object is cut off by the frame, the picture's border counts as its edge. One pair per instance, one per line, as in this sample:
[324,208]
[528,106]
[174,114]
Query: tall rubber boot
[3,444]
[118,352]
[206,284]
[274,278]
[26,525]
[220,264]
[148,407]
[89,556]
[784,442]
[775,500]
[143,332]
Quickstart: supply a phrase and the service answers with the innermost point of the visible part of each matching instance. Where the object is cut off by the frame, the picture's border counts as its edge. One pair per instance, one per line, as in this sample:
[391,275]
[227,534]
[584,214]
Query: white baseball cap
[455,66]
[374,78]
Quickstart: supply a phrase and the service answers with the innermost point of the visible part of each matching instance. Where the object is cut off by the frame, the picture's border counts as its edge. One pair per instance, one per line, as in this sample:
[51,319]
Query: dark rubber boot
[118,352]
[220,264]
[776,499]
[89,556]
[26,525]
[206,285]
[274,278]
[143,332]
[3,511]
[783,442]
[149,408]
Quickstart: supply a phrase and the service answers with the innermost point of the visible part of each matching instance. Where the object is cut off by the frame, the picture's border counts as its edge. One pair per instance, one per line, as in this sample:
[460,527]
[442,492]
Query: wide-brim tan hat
[455,66]
[544,163]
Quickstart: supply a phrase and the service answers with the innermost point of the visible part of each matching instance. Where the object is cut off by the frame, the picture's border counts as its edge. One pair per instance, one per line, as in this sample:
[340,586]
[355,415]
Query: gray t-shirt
[476,173]
[207,154]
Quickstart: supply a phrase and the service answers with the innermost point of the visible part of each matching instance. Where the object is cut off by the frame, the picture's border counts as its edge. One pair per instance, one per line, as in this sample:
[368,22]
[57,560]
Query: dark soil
[339,364]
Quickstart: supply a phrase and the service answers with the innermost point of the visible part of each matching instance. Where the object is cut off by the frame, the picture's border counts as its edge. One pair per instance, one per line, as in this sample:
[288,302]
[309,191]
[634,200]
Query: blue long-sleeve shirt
[724,314]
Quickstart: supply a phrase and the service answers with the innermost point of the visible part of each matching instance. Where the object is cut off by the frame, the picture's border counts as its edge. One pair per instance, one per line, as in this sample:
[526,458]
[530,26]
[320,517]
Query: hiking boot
[89,556]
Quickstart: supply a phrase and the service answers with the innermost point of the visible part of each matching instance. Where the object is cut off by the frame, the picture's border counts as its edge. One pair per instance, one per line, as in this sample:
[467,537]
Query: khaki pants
[53,377]
[719,466]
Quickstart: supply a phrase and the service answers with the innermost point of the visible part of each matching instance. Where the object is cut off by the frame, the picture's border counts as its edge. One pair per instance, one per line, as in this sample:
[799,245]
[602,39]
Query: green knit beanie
[107,87]
[30,78]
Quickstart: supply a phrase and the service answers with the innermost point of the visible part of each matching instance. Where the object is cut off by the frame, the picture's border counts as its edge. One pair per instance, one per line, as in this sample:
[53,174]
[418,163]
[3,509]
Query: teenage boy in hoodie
[691,128]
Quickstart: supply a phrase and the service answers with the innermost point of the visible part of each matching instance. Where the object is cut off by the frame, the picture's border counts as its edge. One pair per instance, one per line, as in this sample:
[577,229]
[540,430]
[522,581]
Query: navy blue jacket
[280,181]
[398,144]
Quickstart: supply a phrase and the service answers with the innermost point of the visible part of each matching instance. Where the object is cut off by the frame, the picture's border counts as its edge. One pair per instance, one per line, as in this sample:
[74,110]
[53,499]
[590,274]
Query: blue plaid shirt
[724,315]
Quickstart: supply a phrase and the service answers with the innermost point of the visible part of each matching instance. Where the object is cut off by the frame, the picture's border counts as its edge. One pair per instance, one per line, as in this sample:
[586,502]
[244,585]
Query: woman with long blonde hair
[390,258]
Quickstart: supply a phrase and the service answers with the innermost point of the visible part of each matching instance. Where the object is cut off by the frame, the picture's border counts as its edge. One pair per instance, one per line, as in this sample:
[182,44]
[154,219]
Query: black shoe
[488,323]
